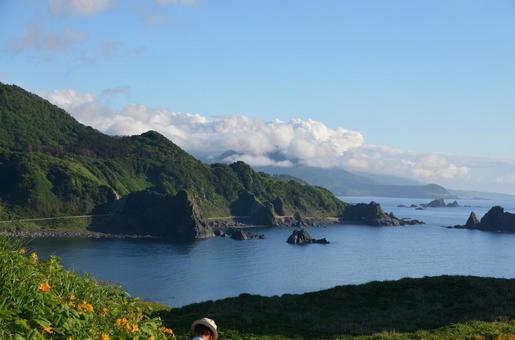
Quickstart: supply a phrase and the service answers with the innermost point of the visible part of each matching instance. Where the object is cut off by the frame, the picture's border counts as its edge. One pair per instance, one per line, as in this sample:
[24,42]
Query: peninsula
[53,166]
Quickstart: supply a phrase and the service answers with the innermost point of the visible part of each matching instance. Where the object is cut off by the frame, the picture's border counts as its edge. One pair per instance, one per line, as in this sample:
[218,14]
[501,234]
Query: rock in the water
[241,235]
[419,208]
[496,219]
[413,206]
[373,214]
[453,205]
[303,237]
[472,221]
[219,232]
[402,206]
[438,203]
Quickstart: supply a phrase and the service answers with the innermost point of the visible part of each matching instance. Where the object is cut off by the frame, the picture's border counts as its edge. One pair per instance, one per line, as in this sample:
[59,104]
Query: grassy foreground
[41,300]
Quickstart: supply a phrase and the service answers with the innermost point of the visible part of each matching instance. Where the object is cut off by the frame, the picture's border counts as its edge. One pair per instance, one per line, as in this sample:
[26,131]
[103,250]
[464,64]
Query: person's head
[204,329]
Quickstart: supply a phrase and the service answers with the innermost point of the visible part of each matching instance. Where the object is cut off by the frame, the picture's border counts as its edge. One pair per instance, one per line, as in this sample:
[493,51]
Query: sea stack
[303,237]
[472,221]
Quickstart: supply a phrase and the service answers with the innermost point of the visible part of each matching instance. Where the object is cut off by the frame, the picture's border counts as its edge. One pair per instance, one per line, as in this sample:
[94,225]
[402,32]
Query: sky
[420,89]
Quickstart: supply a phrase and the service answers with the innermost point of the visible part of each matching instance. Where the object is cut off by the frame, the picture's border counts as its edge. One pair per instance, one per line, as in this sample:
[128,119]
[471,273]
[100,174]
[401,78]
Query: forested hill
[51,165]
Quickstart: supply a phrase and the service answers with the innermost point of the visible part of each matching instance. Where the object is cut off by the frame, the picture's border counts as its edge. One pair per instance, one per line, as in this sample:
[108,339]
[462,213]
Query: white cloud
[79,7]
[68,99]
[283,143]
[36,39]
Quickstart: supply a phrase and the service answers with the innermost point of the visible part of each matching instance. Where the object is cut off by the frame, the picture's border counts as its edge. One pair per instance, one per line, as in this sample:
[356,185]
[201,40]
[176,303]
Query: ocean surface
[180,274]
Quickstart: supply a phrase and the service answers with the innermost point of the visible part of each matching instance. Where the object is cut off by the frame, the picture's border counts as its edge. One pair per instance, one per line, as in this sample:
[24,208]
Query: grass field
[41,300]
[433,307]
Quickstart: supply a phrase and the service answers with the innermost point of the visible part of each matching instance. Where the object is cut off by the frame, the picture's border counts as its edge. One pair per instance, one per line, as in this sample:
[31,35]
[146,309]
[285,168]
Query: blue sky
[420,76]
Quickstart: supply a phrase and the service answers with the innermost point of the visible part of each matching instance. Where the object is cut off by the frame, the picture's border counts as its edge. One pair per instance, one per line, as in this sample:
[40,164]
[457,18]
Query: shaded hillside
[52,165]
[406,305]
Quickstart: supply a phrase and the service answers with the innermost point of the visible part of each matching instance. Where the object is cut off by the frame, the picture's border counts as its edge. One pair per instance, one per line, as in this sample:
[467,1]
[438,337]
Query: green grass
[436,307]
[40,300]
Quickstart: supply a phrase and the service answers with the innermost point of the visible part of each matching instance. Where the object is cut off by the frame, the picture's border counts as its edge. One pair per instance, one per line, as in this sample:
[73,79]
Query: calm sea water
[179,274]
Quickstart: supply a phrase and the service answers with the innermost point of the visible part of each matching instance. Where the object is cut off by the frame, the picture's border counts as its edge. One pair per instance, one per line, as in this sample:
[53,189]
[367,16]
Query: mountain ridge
[52,165]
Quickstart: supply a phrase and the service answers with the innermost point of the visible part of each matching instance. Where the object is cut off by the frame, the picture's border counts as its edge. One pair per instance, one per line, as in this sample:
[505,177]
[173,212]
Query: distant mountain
[388,179]
[344,183]
[471,194]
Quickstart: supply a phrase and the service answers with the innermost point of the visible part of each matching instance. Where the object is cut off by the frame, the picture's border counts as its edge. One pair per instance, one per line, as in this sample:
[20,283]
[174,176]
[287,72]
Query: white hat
[208,323]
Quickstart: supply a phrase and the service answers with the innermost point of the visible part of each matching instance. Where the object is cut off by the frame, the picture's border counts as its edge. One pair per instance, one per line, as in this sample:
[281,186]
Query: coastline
[56,233]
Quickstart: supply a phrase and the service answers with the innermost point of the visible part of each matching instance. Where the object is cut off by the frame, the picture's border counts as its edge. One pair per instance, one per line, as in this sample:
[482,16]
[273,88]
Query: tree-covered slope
[52,165]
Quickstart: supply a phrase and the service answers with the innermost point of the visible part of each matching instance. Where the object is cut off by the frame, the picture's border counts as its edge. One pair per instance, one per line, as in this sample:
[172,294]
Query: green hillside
[442,307]
[51,165]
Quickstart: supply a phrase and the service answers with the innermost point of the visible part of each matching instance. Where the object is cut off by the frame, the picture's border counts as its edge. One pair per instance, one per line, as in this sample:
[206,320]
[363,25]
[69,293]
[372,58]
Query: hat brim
[207,324]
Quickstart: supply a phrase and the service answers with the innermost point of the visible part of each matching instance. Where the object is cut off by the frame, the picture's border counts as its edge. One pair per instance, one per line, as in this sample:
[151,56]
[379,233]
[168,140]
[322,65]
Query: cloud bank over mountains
[258,142]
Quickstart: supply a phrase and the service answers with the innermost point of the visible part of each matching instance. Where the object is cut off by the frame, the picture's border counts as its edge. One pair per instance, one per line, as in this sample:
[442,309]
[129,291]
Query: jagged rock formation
[454,204]
[303,237]
[174,217]
[373,214]
[496,219]
[472,221]
[440,203]
[242,235]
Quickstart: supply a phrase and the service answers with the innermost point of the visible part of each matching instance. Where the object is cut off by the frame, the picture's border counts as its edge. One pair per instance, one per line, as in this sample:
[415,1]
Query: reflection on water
[179,274]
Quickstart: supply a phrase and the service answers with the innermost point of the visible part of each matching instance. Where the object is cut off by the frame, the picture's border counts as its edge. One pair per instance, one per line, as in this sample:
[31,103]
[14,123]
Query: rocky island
[373,214]
[440,203]
[302,236]
[496,220]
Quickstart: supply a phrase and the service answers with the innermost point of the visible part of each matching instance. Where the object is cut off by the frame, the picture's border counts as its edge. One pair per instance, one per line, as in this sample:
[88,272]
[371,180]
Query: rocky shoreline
[70,234]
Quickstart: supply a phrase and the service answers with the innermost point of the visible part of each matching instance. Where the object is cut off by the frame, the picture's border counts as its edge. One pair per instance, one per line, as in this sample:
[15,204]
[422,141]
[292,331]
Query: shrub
[39,300]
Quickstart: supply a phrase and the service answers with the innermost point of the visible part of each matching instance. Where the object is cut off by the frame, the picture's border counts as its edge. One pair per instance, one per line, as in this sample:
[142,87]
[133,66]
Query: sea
[181,274]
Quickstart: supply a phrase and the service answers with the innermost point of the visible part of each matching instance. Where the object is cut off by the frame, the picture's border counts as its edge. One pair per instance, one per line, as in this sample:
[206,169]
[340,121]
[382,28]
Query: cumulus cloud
[36,39]
[78,7]
[259,142]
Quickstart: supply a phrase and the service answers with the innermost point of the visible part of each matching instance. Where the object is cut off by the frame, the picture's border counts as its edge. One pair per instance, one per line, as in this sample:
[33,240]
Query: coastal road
[52,218]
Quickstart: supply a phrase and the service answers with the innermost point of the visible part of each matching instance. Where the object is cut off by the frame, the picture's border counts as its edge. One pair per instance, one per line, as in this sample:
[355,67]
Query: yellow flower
[152,337]
[69,338]
[22,251]
[34,258]
[71,297]
[48,329]
[135,328]
[167,331]
[85,307]
[104,312]
[45,287]
[105,336]
[121,322]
